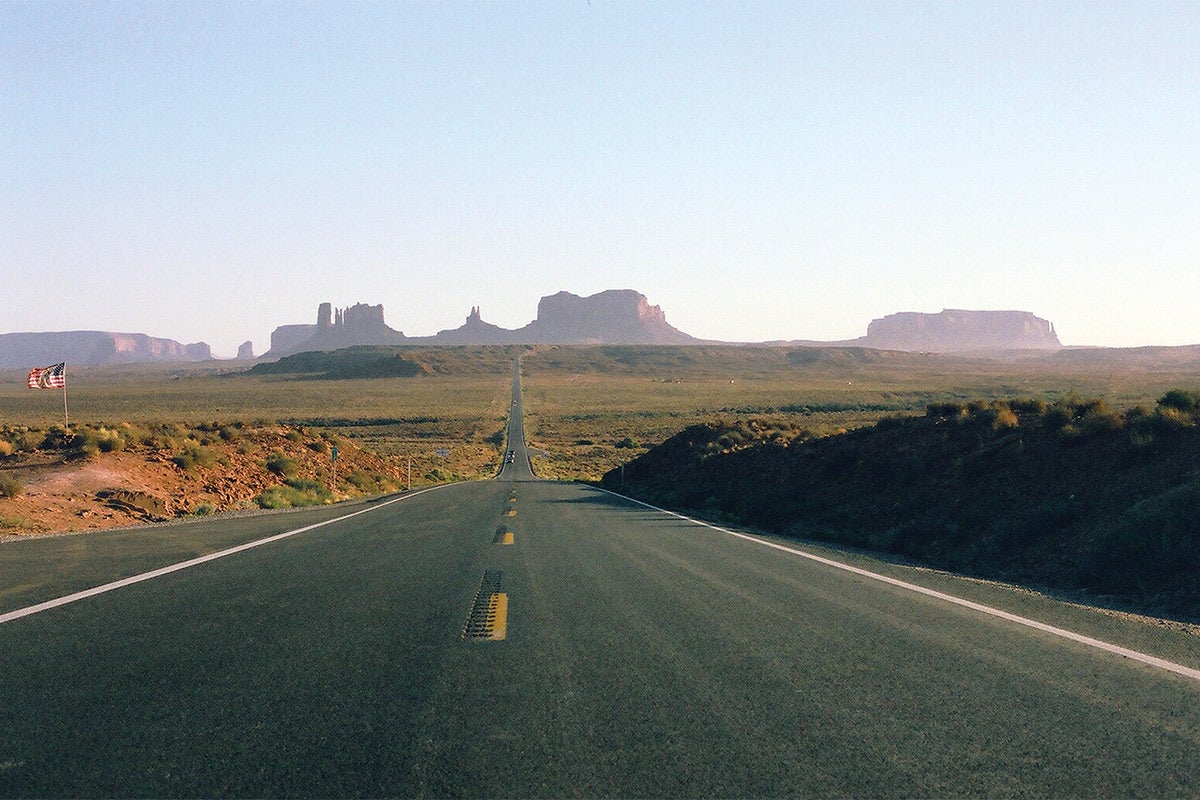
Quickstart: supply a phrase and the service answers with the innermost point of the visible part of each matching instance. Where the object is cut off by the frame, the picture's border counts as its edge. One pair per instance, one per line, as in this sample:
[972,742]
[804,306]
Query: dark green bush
[282,497]
[306,485]
[945,410]
[1180,400]
[1028,405]
[57,439]
[1057,417]
[194,455]
[295,493]
[281,465]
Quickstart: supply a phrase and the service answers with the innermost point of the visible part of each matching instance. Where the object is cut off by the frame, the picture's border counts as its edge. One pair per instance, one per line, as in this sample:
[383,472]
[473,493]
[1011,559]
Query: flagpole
[66,419]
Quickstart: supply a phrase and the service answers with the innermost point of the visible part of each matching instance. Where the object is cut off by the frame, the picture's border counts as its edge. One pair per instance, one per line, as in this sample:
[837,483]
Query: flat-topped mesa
[94,347]
[957,330]
[616,316]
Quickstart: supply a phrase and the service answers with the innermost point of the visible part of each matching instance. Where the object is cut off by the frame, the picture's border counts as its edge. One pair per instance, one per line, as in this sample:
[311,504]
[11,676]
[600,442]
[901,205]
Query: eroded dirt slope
[67,491]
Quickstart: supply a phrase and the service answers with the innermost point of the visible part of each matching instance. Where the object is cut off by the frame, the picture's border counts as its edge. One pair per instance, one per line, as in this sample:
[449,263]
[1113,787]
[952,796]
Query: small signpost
[333,454]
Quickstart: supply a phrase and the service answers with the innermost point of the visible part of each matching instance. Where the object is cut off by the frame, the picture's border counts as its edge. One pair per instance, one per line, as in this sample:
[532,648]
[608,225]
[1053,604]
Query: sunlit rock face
[617,316]
[94,347]
[954,330]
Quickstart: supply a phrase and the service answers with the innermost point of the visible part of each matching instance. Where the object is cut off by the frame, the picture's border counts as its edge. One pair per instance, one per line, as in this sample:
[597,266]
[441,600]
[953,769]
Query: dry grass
[583,403]
[588,408]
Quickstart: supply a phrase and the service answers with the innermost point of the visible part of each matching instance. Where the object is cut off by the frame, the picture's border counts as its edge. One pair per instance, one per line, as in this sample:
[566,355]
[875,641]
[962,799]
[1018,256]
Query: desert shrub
[24,440]
[281,465]
[85,443]
[1101,420]
[1057,417]
[1135,413]
[626,443]
[948,410]
[996,414]
[230,433]
[306,485]
[294,436]
[318,446]
[166,437]
[11,487]
[1005,418]
[294,493]
[204,509]
[439,475]
[1168,419]
[370,482]
[1181,400]
[194,455]
[7,448]
[497,438]
[281,497]
[134,435]
[361,481]
[109,441]
[17,522]
[56,439]
[977,407]
[1094,405]
[1028,405]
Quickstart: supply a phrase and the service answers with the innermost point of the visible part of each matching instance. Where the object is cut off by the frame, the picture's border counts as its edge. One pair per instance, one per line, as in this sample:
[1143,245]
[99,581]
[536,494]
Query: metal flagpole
[66,419]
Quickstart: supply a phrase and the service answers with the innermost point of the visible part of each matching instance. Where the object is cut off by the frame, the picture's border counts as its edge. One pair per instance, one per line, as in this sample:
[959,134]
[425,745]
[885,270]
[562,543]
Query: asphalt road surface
[638,654]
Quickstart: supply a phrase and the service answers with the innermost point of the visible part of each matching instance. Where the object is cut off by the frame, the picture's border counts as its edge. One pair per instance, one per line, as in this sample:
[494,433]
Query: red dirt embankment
[56,491]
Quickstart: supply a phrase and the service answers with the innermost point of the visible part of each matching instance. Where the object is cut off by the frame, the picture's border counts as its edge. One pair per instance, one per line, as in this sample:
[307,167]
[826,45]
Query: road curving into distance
[639,654]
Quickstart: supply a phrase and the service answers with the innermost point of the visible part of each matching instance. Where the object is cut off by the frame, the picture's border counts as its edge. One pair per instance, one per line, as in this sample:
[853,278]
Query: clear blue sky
[762,171]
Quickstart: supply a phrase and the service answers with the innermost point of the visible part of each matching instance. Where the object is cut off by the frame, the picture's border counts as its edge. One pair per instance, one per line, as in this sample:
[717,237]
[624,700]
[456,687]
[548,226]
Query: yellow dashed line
[497,616]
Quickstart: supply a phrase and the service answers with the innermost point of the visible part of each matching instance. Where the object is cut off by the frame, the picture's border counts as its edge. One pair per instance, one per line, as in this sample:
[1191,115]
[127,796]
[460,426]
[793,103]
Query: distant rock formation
[475,331]
[93,347]
[624,316]
[359,324]
[958,331]
[617,316]
[246,351]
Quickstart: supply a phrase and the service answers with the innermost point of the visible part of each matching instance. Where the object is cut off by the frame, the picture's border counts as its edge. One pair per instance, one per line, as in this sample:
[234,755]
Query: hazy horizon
[761,172]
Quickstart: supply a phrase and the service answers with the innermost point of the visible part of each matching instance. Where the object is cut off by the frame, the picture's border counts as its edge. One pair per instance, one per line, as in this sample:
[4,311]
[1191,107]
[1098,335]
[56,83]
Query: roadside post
[333,454]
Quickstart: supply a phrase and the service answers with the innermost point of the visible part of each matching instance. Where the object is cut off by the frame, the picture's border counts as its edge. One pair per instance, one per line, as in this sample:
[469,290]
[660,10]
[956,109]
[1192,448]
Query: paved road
[642,656]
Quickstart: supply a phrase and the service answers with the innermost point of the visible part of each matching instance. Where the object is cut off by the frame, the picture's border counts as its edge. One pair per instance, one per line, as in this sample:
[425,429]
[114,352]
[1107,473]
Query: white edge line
[167,570]
[1154,661]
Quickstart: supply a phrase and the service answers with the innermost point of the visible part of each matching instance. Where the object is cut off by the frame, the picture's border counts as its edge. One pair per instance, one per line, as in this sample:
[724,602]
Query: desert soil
[141,485]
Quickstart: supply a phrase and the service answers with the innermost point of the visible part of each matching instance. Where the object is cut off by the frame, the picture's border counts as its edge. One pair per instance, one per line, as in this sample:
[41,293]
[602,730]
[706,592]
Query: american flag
[54,377]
